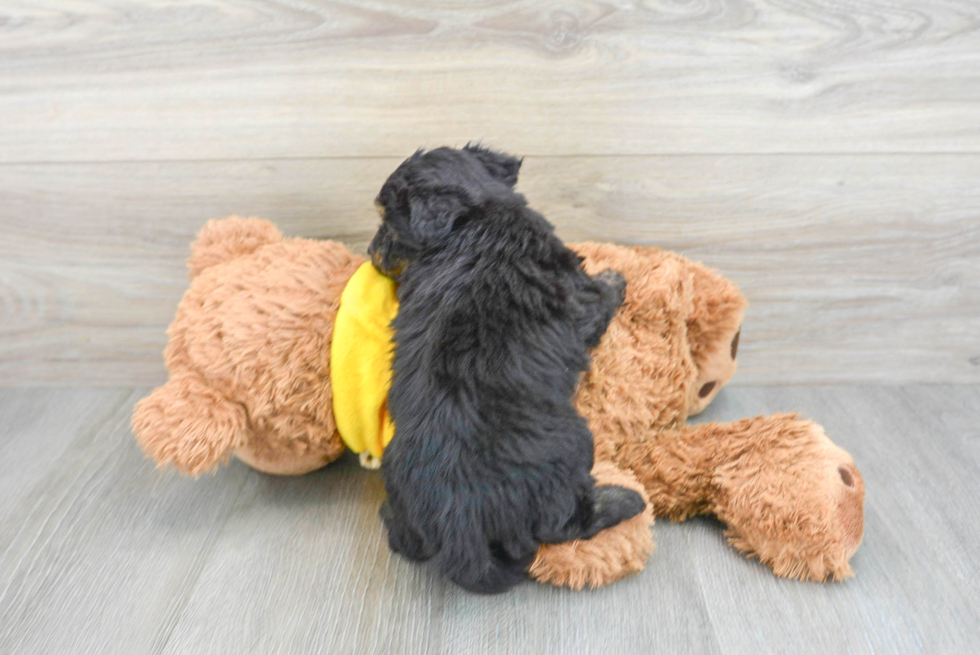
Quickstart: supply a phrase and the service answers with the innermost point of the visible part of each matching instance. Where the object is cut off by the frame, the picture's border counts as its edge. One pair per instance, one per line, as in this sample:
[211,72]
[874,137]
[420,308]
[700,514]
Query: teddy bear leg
[794,499]
[187,424]
[789,496]
[608,556]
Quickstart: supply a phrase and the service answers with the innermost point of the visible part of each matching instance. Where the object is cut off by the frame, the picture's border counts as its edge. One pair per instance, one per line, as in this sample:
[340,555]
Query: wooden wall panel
[857,267]
[242,79]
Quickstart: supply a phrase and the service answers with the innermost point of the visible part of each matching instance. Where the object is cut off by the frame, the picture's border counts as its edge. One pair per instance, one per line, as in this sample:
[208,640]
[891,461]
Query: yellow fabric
[360,361]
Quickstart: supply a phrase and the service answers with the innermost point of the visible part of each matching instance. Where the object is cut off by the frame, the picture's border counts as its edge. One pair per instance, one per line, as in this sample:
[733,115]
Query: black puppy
[490,457]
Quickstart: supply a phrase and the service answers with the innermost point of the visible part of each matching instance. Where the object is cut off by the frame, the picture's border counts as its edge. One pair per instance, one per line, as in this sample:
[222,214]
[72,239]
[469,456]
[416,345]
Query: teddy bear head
[675,340]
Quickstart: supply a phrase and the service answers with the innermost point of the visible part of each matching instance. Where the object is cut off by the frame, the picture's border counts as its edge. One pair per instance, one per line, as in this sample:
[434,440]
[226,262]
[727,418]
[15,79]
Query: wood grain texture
[857,267]
[245,79]
[824,155]
[101,553]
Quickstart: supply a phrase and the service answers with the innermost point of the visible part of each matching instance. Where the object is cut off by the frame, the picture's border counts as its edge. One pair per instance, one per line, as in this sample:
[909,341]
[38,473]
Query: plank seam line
[240,160]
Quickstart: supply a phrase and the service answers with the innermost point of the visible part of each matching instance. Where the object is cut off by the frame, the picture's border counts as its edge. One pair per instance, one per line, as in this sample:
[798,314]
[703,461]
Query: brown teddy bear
[249,357]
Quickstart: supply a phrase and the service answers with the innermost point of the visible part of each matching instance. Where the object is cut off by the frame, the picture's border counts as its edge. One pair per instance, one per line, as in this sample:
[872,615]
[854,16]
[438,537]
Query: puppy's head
[432,194]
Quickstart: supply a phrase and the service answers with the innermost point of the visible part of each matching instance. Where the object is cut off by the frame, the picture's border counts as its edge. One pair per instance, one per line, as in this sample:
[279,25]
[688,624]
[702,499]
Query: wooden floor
[824,154]
[100,553]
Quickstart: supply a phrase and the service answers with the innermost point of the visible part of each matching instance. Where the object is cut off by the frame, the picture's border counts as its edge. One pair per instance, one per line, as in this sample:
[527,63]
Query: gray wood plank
[913,591]
[858,268]
[305,567]
[226,79]
[107,555]
[100,552]
[33,437]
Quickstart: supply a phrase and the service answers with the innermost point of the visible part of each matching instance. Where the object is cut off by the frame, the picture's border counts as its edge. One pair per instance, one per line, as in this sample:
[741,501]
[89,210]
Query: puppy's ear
[501,166]
[435,216]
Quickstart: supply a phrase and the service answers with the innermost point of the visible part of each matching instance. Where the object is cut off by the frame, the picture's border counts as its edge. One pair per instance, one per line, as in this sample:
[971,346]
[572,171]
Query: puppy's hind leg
[482,568]
[611,505]
[403,538]
[597,509]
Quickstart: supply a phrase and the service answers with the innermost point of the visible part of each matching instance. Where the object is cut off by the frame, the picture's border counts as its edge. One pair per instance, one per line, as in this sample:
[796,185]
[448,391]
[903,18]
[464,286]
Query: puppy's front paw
[615,281]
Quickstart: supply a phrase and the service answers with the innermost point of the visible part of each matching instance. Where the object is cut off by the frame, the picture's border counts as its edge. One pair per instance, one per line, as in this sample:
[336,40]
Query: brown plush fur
[251,339]
[606,557]
[249,375]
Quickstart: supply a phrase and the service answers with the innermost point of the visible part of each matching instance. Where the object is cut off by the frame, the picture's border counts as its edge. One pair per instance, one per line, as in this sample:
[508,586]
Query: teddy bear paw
[802,512]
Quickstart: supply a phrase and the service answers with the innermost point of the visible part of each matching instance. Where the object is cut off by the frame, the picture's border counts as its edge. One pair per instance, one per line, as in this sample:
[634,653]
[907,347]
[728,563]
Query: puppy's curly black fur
[490,457]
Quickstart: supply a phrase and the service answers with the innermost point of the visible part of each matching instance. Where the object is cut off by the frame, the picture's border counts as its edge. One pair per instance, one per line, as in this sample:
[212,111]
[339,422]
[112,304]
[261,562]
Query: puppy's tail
[222,240]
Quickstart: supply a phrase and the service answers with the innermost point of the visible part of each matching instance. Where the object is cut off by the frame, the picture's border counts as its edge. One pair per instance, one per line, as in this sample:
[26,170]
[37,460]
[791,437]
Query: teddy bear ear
[501,166]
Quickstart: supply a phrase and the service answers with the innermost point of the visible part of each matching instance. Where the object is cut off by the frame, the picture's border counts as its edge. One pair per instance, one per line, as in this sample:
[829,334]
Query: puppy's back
[490,457]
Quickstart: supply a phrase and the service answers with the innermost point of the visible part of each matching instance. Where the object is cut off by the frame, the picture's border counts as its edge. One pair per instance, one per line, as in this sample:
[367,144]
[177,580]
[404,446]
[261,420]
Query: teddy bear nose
[735,343]
[706,389]
[846,475]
